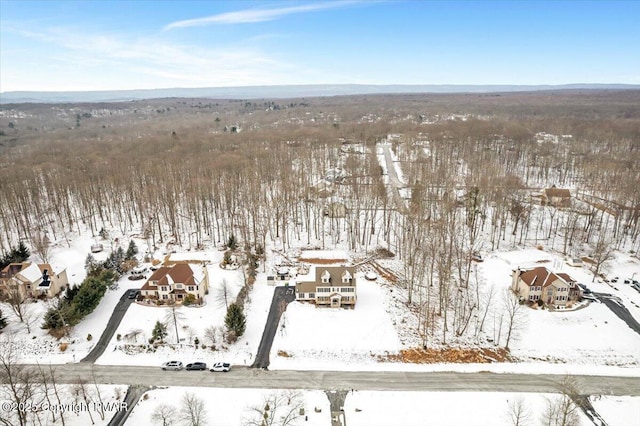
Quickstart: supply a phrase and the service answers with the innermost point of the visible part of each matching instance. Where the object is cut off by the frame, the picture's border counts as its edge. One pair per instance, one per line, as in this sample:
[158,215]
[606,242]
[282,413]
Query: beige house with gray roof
[333,286]
[32,280]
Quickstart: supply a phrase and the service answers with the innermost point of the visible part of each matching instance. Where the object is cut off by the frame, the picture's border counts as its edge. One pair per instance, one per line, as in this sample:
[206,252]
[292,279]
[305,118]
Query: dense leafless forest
[194,171]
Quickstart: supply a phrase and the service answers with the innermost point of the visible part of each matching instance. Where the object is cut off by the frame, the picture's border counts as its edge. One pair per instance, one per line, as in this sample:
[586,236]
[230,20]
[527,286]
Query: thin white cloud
[255,15]
[113,61]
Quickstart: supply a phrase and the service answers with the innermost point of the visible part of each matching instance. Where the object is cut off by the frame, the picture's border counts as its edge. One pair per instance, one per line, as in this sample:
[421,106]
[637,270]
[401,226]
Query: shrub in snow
[89,337]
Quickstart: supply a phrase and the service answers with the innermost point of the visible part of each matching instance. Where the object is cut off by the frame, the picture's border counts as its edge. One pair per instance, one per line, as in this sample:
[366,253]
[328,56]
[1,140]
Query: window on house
[312,295]
[190,288]
[164,296]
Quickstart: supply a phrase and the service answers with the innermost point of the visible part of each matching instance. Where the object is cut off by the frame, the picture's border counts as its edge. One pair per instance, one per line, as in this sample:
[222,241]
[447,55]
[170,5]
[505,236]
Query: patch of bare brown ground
[384,272]
[451,355]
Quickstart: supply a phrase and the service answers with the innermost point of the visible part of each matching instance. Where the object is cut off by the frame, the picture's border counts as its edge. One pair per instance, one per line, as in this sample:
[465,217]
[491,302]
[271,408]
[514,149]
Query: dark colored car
[196,366]
[132,294]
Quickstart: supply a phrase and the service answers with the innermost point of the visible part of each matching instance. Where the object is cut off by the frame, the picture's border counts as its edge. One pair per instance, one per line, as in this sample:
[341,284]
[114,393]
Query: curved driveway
[620,310]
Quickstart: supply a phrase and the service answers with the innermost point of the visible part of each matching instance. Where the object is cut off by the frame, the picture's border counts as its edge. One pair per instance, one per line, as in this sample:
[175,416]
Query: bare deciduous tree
[164,414]
[41,246]
[193,410]
[18,385]
[278,409]
[223,293]
[602,252]
[174,318]
[518,413]
[562,410]
[213,334]
[514,315]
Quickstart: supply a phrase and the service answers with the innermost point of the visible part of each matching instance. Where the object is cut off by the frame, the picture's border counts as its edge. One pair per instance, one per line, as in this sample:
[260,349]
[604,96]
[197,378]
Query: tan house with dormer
[171,284]
[541,284]
[32,280]
[333,286]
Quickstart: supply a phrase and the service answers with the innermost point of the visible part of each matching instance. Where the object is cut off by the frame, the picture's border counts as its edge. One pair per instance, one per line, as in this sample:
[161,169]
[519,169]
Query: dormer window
[346,277]
[325,277]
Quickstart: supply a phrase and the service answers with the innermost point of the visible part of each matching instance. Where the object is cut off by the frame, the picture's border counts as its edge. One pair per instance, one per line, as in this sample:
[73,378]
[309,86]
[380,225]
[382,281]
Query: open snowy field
[309,336]
[373,408]
[364,408]
[591,336]
[231,406]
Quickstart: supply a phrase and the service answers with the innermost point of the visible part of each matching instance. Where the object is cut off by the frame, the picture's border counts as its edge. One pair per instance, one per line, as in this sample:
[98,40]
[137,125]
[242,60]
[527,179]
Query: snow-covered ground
[371,408]
[192,323]
[328,336]
[591,340]
[591,336]
[80,405]
[468,408]
[230,406]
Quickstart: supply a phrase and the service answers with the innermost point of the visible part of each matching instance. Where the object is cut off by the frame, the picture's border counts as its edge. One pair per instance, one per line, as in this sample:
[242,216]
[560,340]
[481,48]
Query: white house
[333,286]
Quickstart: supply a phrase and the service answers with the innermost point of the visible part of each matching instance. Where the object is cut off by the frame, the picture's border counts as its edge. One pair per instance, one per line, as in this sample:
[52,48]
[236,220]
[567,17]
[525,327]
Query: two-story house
[32,280]
[541,284]
[172,284]
[333,286]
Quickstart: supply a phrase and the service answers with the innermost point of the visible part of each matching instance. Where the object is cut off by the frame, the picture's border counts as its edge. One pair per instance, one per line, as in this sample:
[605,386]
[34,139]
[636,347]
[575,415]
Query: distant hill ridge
[288,91]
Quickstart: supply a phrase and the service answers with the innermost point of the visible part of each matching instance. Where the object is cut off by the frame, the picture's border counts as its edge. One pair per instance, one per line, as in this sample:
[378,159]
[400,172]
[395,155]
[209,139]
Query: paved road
[620,310]
[282,296]
[112,326]
[394,180]
[244,377]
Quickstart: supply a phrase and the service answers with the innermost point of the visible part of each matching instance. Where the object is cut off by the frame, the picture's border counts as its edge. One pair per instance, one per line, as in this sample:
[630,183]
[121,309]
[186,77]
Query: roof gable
[182,273]
[542,277]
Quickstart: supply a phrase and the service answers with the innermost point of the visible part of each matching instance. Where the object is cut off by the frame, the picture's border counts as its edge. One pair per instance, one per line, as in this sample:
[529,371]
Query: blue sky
[109,45]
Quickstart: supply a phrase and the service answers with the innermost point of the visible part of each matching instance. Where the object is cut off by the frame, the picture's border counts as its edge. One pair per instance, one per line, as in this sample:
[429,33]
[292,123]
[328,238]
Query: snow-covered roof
[198,272]
[32,273]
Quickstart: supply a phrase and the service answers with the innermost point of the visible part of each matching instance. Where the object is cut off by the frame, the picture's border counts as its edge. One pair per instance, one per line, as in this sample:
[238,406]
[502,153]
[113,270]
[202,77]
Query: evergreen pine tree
[232,243]
[23,251]
[91,265]
[235,320]
[159,332]
[132,250]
